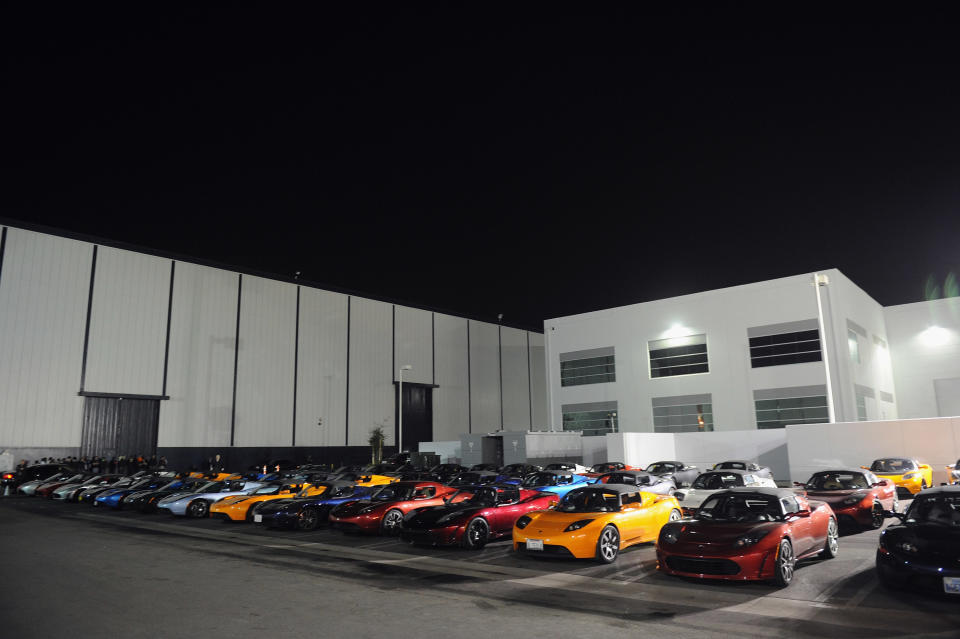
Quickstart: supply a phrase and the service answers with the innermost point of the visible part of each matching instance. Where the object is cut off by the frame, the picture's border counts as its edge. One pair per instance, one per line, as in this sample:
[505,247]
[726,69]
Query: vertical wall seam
[469,385]
[236,360]
[529,381]
[346,412]
[500,367]
[296,359]
[433,348]
[86,330]
[3,249]
[166,345]
[393,342]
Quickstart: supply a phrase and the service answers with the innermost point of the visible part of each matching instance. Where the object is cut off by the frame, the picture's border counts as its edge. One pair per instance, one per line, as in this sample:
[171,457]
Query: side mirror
[865,467]
[802,513]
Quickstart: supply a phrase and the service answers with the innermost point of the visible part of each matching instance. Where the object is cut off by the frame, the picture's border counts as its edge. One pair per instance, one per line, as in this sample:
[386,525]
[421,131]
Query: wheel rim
[392,520]
[478,531]
[786,562]
[197,508]
[896,504]
[609,544]
[833,538]
[877,515]
[674,515]
[308,519]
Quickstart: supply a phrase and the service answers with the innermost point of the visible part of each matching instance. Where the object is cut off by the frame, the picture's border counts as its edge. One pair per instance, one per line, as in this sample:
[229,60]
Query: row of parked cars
[729,522]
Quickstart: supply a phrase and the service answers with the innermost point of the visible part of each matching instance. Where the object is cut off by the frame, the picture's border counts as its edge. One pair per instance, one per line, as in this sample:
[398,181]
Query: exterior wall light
[935,336]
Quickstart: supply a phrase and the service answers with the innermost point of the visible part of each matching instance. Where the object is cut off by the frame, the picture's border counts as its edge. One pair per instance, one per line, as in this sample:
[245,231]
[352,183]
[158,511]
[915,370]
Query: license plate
[258,518]
[534,544]
[951,585]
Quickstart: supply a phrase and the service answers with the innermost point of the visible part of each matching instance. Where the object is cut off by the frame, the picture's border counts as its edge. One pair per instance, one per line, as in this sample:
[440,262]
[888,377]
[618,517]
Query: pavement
[78,571]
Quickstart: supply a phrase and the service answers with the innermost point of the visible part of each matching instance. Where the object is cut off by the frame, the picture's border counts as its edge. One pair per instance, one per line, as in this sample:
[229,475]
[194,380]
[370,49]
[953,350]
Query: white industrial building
[110,351]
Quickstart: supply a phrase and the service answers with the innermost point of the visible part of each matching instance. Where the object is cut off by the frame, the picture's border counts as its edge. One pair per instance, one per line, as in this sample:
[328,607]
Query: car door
[801,526]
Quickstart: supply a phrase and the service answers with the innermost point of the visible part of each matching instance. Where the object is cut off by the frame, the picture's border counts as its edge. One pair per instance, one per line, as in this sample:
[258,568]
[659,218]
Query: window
[861,408]
[683,414]
[780,407]
[678,356]
[594,366]
[597,418]
[854,345]
[785,348]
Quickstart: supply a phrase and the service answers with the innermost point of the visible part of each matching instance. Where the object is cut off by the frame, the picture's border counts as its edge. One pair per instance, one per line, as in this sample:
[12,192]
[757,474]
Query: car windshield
[893,466]
[833,480]
[589,500]
[488,497]
[268,490]
[393,492]
[624,478]
[741,507]
[75,478]
[209,487]
[660,468]
[943,510]
[558,467]
[540,479]
[732,465]
[603,468]
[718,481]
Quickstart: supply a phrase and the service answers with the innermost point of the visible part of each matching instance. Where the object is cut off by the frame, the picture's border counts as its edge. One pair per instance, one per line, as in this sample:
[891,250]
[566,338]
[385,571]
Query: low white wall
[813,447]
[449,451]
[594,450]
[640,449]
[554,445]
[767,447]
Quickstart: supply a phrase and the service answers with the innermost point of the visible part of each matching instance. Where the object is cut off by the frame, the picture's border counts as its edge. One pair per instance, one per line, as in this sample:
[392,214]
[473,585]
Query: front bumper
[579,544]
[444,536]
[361,523]
[730,566]
[914,574]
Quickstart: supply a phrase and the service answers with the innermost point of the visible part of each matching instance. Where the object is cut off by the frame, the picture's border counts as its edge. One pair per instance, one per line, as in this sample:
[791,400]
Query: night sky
[486,161]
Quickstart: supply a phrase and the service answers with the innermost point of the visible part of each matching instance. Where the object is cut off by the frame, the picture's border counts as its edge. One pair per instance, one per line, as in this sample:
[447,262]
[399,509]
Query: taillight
[8,475]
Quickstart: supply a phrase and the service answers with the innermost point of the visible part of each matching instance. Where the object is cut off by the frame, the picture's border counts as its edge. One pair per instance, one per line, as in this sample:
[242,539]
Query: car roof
[841,470]
[623,489]
[555,472]
[634,473]
[760,490]
[739,471]
[940,490]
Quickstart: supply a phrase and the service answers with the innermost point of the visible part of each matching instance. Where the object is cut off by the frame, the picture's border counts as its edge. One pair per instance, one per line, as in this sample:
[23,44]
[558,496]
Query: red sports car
[856,496]
[608,467]
[748,534]
[489,513]
[387,507]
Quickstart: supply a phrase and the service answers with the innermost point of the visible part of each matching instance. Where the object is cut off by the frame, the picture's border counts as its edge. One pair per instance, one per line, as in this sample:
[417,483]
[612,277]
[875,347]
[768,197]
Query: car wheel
[475,536]
[249,515]
[785,564]
[390,524]
[832,546]
[923,484]
[198,508]
[308,519]
[876,515]
[896,503]
[675,515]
[608,545]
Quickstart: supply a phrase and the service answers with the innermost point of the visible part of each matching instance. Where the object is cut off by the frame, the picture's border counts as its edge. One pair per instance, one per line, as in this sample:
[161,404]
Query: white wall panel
[594,449]
[484,377]
[538,382]
[372,395]
[703,450]
[414,344]
[203,326]
[43,303]
[264,405]
[322,368]
[516,380]
[450,399]
[128,323]
[640,449]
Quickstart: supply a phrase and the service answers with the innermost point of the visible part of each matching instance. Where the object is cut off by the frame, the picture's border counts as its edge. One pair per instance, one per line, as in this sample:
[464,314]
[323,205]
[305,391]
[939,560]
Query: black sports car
[446,472]
[923,550]
[473,478]
[146,500]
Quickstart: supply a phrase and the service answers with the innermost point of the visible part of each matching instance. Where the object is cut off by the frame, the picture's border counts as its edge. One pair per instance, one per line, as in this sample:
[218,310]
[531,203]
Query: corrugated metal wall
[322,369]
[264,401]
[484,377]
[414,344]
[538,382]
[372,395]
[43,306]
[128,323]
[203,329]
[516,381]
[451,402]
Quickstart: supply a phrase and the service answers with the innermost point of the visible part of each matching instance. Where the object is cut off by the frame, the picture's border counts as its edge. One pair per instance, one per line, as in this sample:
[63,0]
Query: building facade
[110,351]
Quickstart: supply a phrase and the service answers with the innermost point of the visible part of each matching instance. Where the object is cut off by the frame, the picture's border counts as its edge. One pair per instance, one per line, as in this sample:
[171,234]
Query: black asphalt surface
[78,571]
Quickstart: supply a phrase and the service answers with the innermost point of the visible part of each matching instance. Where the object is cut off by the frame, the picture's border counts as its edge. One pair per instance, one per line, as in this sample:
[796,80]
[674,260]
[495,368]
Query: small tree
[377,436]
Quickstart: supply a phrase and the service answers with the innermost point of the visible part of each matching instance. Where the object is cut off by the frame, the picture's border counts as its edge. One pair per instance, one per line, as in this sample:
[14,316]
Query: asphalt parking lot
[75,569]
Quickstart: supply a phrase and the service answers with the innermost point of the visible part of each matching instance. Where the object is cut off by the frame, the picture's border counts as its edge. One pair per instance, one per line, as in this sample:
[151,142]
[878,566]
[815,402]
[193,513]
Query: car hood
[935,542]
[354,508]
[720,533]
[693,497]
[836,496]
[441,515]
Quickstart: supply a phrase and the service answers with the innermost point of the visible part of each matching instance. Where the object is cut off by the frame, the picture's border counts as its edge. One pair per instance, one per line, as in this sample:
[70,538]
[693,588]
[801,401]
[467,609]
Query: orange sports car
[384,510]
[595,521]
[240,507]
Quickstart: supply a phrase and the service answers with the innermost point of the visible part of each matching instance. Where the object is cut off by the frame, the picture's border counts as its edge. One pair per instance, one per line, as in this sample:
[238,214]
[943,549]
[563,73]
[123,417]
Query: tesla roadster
[857,497]
[558,482]
[643,481]
[908,474]
[383,511]
[682,474]
[710,482]
[197,504]
[311,512]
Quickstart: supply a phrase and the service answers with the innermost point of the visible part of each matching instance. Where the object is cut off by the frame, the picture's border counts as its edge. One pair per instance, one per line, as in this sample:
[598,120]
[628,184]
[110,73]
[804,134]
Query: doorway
[114,426]
[417,404]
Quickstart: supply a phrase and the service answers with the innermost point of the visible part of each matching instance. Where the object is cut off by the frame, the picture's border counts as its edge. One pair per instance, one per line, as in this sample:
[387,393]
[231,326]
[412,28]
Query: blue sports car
[308,513]
[196,502]
[559,482]
[114,498]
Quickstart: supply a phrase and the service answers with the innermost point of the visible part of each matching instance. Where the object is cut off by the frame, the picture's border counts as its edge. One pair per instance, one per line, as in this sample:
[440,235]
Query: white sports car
[714,481]
[196,503]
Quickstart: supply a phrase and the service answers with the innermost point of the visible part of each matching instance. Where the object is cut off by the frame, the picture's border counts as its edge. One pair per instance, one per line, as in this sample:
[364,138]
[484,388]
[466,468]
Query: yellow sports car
[240,507]
[905,473]
[597,521]
[375,480]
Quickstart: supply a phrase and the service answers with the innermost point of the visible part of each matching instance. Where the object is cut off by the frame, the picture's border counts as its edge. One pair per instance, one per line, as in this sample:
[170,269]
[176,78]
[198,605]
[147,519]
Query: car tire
[608,545]
[390,524]
[198,508]
[831,547]
[249,515]
[675,515]
[876,516]
[476,534]
[895,507]
[923,484]
[309,519]
[784,565]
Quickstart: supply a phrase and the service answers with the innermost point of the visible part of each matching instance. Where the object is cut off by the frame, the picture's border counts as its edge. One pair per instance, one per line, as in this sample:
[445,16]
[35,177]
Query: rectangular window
[853,343]
[683,414]
[779,407]
[861,408]
[678,356]
[595,366]
[597,418]
[785,348]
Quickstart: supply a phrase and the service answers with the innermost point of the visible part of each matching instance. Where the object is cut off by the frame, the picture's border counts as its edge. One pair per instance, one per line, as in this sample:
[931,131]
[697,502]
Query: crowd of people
[122,464]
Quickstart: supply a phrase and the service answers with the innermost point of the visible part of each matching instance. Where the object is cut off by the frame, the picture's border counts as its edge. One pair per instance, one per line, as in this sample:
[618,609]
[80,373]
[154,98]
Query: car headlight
[750,539]
[680,495]
[910,476]
[522,522]
[577,525]
[669,535]
[854,498]
[908,548]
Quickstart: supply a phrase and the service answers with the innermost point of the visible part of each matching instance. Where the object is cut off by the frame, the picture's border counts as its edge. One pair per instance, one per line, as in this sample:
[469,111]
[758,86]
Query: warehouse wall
[485,415]
[372,397]
[413,331]
[451,400]
[516,379]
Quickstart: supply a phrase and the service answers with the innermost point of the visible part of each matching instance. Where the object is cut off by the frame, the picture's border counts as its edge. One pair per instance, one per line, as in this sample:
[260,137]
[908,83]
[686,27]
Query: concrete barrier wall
[640,449]
[594,450]
[767,447]
[449,451]
[934,441]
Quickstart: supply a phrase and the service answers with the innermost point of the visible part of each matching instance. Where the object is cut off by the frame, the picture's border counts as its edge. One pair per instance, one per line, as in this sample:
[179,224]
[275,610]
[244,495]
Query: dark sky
[533,164]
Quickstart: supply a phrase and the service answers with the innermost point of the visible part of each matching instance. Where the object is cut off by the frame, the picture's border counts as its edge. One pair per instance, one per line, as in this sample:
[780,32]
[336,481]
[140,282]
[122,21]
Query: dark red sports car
[489,513]
[386,508]
[856,496]
[748,534]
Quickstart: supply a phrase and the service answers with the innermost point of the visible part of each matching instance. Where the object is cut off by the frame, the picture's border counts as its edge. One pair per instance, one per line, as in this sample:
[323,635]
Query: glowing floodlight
[677,330]
[935,336]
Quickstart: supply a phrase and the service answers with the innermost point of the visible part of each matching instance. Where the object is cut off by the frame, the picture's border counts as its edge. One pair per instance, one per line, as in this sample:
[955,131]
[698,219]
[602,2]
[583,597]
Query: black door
[417,415]
[114,426]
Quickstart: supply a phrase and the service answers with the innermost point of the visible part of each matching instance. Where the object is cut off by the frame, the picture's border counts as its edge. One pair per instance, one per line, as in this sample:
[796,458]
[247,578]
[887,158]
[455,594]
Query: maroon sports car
[856,496]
